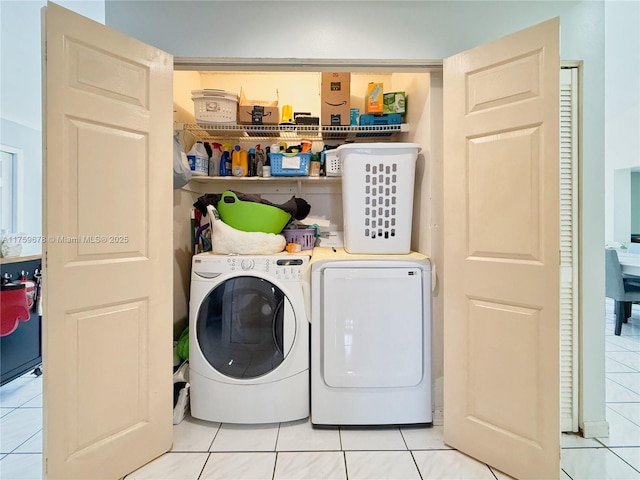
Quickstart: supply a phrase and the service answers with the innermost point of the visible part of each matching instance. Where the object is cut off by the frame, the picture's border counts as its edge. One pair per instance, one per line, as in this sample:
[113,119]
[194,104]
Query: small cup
[266,171]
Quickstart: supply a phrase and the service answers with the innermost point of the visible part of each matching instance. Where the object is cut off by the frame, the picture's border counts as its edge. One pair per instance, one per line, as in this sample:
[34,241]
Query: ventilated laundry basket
[377,196]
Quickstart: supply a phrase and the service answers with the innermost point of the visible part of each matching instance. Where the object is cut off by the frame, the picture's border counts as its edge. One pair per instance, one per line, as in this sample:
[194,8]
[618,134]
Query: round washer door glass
[245,327]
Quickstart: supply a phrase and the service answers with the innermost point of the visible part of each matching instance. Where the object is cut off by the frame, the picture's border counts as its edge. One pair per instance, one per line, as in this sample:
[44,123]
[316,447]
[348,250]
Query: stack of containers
[377,196]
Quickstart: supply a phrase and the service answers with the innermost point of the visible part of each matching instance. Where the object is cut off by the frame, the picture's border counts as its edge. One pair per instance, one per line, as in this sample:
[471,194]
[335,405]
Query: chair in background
[623,289]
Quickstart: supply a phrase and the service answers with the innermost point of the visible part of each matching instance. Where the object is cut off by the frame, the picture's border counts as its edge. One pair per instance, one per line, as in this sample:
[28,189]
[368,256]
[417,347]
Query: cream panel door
[108,396]
[501,279]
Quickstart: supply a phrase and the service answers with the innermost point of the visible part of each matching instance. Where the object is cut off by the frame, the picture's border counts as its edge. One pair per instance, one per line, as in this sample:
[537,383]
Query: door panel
[373,327]
[501,279]
[107,211]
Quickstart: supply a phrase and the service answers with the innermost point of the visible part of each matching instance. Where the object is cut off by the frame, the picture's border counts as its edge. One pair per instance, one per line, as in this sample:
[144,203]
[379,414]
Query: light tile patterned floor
[294,450]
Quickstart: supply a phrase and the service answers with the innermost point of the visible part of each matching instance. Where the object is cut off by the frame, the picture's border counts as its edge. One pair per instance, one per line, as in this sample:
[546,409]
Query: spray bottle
[214,159]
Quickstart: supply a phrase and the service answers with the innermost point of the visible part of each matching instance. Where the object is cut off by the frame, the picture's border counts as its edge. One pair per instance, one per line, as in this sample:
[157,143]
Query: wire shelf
[312,132]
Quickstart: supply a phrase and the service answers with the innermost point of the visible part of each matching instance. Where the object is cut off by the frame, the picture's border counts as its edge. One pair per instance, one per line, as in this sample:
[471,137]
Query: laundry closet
[301,89]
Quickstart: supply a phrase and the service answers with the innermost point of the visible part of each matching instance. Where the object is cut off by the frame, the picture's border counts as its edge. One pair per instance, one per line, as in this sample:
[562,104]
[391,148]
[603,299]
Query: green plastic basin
[251,216]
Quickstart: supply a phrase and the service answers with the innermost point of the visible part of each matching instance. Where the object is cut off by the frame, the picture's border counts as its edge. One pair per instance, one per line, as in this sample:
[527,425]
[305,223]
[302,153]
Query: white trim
[303,64]
[595,429]
[18,188]
[569,250]
[438,418]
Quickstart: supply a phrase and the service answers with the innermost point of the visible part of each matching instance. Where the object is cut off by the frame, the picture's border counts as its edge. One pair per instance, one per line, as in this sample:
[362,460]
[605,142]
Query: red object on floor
[13,308]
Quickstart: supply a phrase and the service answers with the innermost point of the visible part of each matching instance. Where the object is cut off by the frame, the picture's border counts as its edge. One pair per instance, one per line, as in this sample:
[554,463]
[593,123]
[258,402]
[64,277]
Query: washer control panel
[281,267]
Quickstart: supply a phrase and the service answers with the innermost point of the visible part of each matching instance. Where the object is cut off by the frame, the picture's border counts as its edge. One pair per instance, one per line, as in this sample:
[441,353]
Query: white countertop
[339,253]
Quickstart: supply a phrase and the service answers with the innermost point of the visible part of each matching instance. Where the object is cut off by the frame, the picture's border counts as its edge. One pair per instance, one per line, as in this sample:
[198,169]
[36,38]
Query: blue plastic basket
[278,170]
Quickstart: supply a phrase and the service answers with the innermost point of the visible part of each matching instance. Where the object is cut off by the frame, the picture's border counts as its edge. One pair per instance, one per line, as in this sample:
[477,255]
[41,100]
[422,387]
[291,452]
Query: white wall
[21,99]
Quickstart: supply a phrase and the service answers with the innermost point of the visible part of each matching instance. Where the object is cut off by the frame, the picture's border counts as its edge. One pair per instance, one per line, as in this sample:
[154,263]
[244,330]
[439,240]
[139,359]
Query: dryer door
[373,327]
[245,327]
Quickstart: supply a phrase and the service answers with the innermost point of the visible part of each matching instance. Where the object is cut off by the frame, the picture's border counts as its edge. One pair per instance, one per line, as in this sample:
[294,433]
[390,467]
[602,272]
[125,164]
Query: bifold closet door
[373,321]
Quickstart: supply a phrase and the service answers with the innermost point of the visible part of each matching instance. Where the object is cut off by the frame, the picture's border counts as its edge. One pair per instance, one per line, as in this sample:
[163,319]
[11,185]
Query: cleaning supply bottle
[239,162]
[198,159]
[251,162]
[225,161]
[266,168]
[261,159]
[214,159]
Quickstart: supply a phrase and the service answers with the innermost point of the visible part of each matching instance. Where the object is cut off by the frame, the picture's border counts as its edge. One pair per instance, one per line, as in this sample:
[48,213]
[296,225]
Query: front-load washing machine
[249,338]
[370,339]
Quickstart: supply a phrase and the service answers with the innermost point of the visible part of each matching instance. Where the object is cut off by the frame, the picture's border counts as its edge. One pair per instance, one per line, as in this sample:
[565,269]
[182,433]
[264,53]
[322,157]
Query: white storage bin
[332,163]
[214,106]
[377,196]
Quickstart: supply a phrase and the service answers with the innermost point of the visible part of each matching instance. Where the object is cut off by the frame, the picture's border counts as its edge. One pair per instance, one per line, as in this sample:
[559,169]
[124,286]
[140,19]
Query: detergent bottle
[214,159]
[198,159]
[225,161]
[239,162]
[260,160]
[251,162]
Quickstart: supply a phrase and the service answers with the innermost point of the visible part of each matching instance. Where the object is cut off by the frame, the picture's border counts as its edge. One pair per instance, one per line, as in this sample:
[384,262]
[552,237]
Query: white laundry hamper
[377,196]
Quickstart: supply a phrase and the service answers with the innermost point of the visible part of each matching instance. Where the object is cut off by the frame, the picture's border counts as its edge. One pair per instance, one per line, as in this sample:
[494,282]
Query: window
[10,170]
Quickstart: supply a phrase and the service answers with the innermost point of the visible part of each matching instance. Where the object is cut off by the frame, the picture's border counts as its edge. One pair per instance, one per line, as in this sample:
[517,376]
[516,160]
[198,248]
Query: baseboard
[438,418]
[595,429]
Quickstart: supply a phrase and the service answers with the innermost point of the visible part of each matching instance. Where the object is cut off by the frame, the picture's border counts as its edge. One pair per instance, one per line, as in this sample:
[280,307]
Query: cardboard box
[258,112]
[373,99]
[258,115]
[394,102]
[335,98]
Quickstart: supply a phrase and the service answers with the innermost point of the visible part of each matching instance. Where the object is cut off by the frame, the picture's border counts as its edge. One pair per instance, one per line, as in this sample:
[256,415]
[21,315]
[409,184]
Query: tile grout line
[344,460]
[619,413]
[415,462]
[204,465]
[634,468]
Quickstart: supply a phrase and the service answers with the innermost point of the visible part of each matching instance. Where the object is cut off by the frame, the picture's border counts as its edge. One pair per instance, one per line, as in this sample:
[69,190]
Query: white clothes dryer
[249,338]
[370,339]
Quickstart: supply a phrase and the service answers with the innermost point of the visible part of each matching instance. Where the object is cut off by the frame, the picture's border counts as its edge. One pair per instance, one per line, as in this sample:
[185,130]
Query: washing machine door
[245,327]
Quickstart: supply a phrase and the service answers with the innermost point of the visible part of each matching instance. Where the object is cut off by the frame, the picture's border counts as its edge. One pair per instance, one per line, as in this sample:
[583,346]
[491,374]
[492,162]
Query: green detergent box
[394,102]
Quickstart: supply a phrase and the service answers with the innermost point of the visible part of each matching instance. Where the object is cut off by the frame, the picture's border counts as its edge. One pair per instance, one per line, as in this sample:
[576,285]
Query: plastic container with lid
[215,106]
